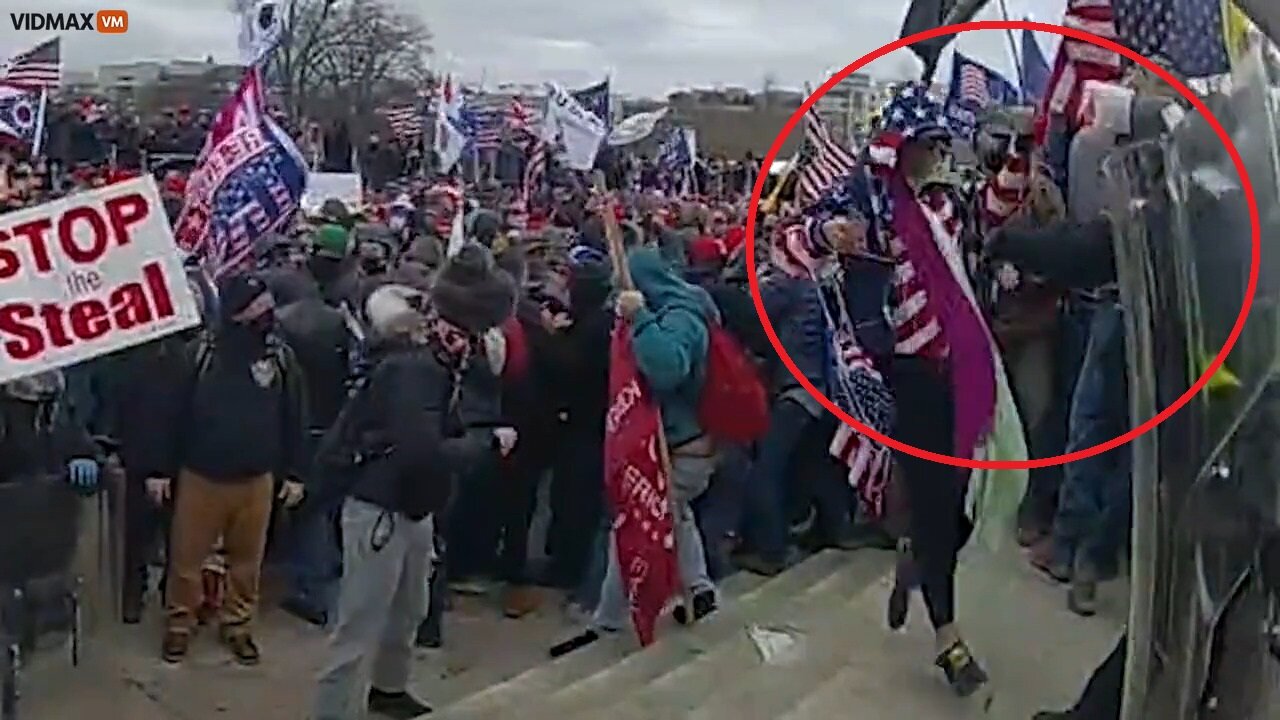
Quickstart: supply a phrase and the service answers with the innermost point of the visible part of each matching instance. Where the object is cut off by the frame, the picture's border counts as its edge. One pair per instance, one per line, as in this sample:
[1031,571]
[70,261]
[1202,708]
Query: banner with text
[87,275]
[638,488]
[575,130]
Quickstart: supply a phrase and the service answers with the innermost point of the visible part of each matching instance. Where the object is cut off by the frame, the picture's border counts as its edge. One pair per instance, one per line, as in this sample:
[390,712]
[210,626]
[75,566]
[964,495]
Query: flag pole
[618,257]
[38,141]
[1013,49]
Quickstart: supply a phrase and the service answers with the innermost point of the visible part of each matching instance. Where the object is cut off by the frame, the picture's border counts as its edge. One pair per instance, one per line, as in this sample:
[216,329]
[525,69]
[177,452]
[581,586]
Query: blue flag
[975,88]
[596,100]
[1035,69]
[1187,33]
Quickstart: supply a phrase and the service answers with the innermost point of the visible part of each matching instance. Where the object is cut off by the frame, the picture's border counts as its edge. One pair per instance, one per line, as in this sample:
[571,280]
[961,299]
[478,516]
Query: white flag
[449,138]
[637,127]
[260,29]
[578,131]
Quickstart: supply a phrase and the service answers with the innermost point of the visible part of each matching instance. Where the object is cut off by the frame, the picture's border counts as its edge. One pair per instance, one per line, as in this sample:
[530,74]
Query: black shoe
[305,611]
[904,581]
[131,603]
[574,643]
[863,537]
[1048,715]
[396,705]
[704,603]
[964,674]
[757,565]
[428,636]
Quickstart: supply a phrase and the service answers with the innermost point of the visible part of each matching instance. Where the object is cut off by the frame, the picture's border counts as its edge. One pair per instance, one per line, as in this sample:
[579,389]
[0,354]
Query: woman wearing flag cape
[949,390]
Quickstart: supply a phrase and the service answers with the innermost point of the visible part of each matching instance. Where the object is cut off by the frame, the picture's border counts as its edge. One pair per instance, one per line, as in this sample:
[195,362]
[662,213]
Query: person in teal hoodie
[669,338]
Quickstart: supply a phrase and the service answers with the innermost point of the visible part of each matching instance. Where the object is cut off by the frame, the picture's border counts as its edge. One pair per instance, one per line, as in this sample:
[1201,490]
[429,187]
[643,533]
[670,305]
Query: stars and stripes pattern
[860,387]
[535,171]
[1079,61]
[1188,33]
[406,121]
[38,68]
[973,86]
[823,163]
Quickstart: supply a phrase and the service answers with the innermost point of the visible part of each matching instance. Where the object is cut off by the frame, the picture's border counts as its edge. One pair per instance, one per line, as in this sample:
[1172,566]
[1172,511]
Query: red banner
[638,488]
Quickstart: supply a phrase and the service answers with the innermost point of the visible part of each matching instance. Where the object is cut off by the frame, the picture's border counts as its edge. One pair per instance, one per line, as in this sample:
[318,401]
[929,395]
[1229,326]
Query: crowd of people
[374,405]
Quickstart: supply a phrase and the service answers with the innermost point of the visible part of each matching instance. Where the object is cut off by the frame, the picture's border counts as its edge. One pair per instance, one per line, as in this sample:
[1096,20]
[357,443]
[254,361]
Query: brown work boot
[520,600]
[174,646]
[240,642]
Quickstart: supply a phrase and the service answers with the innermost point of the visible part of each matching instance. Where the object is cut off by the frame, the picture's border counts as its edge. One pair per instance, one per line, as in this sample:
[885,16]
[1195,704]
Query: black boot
[396,705]
[131,600]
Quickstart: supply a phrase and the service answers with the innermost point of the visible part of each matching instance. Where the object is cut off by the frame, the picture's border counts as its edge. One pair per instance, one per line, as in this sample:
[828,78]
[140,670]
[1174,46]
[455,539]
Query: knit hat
[243,297]
[472,292]
[331,241]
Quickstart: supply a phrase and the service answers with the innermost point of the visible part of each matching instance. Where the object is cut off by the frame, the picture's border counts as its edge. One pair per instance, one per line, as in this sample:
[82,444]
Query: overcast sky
[648,47]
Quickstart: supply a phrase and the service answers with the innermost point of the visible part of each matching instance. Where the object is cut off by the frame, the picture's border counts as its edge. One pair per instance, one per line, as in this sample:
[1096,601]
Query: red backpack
[517,363]
[734,406]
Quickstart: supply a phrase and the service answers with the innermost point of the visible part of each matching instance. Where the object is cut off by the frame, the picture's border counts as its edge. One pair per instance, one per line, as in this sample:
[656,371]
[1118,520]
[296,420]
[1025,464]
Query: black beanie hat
[472,292]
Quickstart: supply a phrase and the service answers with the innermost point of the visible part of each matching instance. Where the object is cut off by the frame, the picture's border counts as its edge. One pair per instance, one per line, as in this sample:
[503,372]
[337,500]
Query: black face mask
[373,266]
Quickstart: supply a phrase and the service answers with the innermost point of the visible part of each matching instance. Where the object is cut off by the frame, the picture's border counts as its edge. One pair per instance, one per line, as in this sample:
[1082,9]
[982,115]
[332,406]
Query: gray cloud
[647,46]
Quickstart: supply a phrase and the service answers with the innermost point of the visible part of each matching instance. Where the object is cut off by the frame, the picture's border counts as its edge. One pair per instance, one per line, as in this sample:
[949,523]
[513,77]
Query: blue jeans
[767,489]
[719,510]
[1094,505]
[315,559]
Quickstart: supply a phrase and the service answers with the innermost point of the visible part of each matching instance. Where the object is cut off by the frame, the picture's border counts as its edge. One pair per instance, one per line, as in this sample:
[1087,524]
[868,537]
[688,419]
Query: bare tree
[346,52]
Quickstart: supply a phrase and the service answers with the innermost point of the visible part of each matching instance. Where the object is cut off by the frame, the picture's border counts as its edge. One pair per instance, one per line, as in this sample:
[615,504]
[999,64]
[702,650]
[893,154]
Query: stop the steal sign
[88,275]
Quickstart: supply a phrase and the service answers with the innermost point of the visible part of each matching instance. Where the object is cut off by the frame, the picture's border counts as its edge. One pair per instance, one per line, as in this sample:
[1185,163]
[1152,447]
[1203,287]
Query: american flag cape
[247,182]
[37,68]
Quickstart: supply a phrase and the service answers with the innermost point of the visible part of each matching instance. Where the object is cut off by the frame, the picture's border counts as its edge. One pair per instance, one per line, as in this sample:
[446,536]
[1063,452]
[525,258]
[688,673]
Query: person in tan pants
[235,423]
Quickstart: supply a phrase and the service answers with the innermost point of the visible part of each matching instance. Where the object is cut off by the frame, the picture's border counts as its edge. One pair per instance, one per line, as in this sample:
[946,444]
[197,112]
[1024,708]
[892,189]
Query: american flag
[535,170]
[520,122]
[823,163]
[406,121]
[248,182]
[484,117]
[973,86]
[1188,33]
[1079,61]
[40,67]
[860,389]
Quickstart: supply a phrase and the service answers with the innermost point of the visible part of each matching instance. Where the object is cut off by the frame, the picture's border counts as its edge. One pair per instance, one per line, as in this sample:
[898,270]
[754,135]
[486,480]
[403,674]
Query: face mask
[373,266]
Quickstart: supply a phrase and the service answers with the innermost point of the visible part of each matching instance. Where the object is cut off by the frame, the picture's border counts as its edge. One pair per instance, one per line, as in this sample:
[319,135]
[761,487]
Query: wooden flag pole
[618,257]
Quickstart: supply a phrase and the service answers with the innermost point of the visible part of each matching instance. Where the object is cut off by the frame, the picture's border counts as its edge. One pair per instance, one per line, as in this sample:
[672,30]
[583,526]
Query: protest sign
[87,275]
[323,186]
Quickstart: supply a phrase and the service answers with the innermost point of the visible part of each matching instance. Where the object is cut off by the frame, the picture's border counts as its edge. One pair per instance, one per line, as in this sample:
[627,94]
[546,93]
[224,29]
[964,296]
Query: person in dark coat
[231,425]
[428,413]
[323,344]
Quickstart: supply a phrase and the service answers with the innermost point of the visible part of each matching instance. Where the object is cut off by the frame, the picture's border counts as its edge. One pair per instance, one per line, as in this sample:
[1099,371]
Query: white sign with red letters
[87,275]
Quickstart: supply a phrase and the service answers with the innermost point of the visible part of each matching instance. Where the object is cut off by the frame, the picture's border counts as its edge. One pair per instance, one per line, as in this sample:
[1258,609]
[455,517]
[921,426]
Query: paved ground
[1037,651]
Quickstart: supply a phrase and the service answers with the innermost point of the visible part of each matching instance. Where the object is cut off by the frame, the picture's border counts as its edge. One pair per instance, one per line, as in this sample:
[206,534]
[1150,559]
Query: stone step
[528,693]
[592,694]
[1038,654]
[733,680]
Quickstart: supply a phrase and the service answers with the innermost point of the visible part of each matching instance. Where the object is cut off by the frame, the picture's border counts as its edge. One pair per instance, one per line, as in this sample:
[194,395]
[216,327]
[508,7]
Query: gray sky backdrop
[648,47]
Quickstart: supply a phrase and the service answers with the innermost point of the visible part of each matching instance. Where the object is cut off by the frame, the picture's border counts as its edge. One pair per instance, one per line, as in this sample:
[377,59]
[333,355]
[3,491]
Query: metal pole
[1013,46]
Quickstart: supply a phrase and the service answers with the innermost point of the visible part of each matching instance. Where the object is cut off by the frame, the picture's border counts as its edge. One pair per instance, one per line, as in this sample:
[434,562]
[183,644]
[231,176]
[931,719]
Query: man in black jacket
[232,423]
[429,412]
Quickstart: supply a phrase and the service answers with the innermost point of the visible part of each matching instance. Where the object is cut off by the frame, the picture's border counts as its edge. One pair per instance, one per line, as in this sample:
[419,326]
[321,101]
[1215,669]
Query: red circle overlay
[1145,427]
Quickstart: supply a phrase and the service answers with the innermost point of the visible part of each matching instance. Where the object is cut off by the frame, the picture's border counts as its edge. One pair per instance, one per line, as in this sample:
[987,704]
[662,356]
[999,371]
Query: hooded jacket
[416,439]
[669,337]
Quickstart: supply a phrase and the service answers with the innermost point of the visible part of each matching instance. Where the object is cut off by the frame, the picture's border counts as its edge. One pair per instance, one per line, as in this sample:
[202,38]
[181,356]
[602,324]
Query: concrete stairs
[833,659]
[613,676]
